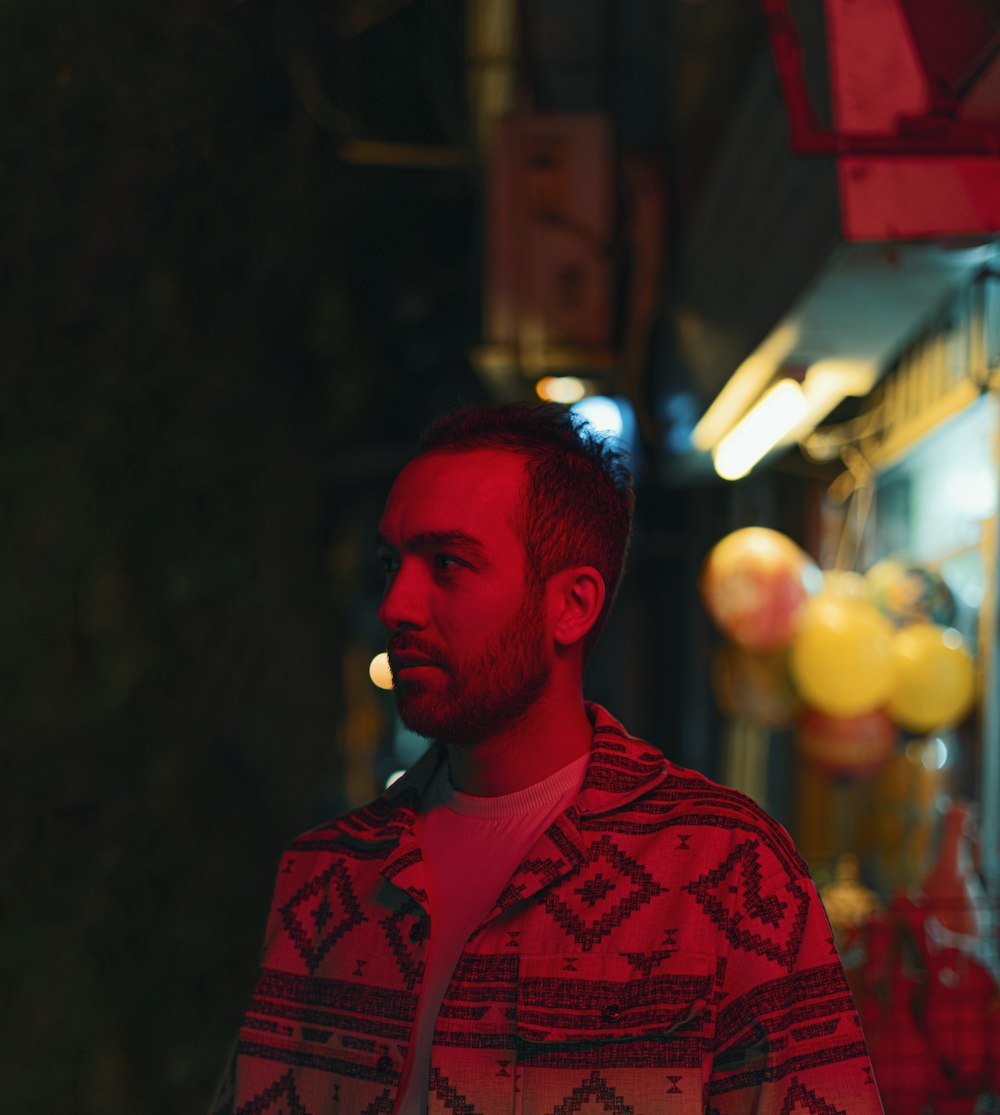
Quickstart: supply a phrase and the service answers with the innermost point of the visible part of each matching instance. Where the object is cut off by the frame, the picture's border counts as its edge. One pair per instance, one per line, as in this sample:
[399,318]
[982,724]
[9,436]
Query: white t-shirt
[472,846]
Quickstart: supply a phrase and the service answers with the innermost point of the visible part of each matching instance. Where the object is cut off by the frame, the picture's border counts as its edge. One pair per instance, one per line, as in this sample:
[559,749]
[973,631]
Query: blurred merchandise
[907,592]
[754,687]
[924,975]
[841,657]
[755,583]
[845,584]
[905,811]
[847,901]
[952,889]
[933,678]
[851,747]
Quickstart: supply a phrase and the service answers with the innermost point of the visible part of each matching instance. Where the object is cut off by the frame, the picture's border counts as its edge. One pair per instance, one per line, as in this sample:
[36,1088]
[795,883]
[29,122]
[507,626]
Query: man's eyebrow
[430,539]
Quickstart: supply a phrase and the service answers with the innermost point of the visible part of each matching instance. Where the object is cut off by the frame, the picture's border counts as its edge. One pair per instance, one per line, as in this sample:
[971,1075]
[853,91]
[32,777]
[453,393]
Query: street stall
[858,318]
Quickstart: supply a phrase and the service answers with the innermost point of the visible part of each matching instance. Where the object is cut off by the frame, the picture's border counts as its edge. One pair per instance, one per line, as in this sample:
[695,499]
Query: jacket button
[384,1063]
[611,1012]
[417,932]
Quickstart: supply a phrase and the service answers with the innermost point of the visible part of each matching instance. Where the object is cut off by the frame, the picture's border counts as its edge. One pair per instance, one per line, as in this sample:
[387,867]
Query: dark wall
[205,310]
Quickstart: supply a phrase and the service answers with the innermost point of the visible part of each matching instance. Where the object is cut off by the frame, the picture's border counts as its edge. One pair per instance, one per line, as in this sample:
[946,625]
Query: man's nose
[404,604]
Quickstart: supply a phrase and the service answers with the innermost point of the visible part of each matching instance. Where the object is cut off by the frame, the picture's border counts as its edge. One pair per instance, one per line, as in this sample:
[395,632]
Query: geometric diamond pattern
[320,913]
[280,1098]
[803,1099]
[612,885]
[380,1105]
[410,968]
[595,1088]
[441,1086]
[646,962]
[766,925]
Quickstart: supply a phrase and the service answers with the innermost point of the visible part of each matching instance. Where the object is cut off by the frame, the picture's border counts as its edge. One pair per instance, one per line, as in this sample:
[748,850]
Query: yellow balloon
[842,582]
[934,678]
[841,659]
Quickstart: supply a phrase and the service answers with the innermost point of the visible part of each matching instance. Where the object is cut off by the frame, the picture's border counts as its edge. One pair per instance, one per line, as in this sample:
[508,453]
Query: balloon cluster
[866,655]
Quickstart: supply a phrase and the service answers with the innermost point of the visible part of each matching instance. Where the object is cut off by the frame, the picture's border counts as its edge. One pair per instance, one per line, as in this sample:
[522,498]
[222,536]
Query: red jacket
[661,949]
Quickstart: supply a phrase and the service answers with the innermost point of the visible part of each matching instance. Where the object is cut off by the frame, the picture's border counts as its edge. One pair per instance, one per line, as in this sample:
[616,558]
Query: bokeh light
[379,671]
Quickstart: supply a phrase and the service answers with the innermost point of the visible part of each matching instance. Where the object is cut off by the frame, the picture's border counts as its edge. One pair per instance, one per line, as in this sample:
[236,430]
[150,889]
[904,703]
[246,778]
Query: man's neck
[553,734]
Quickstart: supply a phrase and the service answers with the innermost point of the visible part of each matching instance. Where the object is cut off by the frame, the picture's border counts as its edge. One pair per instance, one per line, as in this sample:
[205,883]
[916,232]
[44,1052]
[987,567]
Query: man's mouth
[412,663]
[406,659]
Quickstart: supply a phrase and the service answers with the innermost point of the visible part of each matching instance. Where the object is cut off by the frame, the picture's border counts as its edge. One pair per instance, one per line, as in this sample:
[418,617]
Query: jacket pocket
[610,1009]
[322,1039]
[327,1071]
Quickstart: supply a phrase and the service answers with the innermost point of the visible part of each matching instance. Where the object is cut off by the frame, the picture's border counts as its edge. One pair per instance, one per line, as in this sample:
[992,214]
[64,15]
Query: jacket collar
[621,769]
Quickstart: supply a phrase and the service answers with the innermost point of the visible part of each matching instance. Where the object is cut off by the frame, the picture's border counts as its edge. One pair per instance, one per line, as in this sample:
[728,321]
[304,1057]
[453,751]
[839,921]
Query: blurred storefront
[924,822]
[889,712]
[878,315]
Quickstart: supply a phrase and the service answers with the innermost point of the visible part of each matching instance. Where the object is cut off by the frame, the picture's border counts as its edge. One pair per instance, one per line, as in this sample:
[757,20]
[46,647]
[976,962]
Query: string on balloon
[856,489]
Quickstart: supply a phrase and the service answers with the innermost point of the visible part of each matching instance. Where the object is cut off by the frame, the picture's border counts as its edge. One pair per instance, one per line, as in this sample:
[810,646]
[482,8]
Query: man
[544,915]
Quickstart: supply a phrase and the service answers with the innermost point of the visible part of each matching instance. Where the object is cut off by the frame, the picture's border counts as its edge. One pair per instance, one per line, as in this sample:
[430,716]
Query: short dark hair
[578,509]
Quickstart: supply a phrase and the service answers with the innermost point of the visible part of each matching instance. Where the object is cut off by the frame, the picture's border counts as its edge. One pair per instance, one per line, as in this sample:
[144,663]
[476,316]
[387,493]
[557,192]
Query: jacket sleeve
[788,1037]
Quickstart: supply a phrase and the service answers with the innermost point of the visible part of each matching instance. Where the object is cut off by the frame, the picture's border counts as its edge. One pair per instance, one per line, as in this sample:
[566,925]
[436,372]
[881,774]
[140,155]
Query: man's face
[466,625]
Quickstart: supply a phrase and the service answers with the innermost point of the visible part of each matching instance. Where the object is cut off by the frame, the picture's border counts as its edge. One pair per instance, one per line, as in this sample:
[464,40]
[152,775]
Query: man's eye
[388,563]
[445,562]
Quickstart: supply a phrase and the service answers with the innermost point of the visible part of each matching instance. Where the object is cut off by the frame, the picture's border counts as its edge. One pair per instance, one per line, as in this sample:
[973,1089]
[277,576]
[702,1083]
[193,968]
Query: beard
[485,696]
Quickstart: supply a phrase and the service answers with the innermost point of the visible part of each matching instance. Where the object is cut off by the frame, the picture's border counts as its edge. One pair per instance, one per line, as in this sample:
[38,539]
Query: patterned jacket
[661,949]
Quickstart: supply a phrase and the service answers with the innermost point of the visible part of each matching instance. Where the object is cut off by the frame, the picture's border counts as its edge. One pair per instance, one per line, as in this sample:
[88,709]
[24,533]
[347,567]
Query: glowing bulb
[603,414]
[379,671]
[560,389]
[780,409]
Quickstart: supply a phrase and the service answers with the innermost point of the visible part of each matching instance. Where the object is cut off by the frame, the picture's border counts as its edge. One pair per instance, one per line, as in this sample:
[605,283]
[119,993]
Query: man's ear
[577,595]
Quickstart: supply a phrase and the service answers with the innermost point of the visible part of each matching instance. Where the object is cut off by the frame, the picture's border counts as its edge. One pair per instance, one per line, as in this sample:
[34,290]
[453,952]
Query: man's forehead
[469,490]
[482,470]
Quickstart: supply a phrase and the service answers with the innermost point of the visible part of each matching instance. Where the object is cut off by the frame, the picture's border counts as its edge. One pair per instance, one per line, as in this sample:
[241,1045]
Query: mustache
[401,644]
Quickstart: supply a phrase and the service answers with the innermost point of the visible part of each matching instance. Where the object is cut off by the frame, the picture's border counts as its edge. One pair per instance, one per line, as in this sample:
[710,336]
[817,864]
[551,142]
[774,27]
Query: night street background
[220,342]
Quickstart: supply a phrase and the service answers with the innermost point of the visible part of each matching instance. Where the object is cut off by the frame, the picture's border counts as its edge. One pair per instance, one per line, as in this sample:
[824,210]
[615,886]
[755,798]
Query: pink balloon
[754,584]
